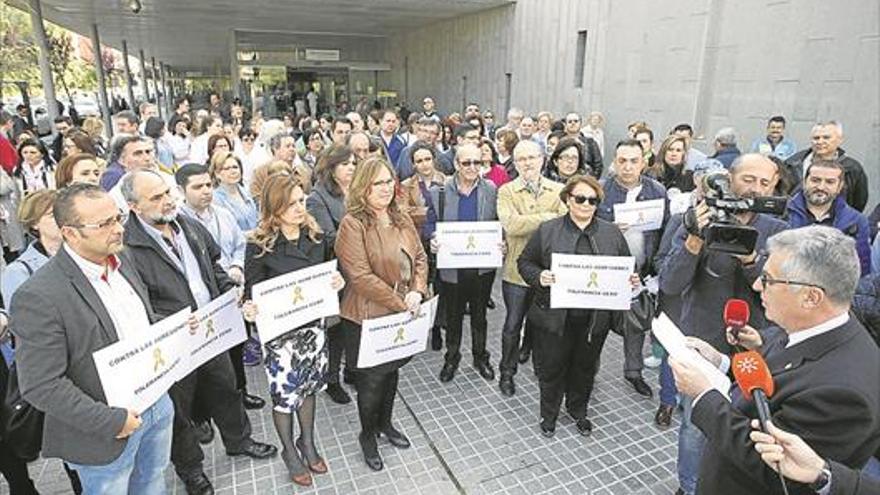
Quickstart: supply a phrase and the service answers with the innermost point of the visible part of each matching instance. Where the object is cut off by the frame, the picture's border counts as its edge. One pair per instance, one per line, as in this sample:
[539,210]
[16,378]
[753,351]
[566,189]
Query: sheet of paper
[220,327]
[469,245]
[680,202]
[675,344]
[395,336]
[591,282]
[294,299]
[640,215]
[136,371]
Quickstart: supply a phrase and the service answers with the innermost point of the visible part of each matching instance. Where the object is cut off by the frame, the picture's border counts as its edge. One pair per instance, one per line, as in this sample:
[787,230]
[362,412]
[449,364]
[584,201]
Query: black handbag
[641,313]
[22,423]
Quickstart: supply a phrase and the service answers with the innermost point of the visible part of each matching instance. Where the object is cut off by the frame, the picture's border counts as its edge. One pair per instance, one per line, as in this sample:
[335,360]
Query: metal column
[144,75]
[153,74]
[102,82]
[167,91]
[128,79]
[45,66]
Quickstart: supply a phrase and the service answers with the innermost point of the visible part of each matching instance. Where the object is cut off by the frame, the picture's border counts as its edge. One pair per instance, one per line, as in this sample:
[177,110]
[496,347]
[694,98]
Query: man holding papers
[288,239]
[178,261]
[568,342]
[87,297]
[638,205]
[468,198]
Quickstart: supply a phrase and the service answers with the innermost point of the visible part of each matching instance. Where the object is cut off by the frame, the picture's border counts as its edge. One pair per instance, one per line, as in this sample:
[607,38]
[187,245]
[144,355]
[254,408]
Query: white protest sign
[679,203]
[640,215]
[294,299]
[469,245]
[136,371]
[395,336]
[591,282]
[675,344]
[220,327]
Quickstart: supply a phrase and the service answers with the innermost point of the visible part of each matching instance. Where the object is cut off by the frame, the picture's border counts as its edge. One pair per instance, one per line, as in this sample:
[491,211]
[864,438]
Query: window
[580,59]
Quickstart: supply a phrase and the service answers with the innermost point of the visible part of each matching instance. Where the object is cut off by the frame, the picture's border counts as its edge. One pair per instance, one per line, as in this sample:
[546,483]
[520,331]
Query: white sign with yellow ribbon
[221,327]
[591,282]
[469,245]
[396,336]
[136,371]
[291,300]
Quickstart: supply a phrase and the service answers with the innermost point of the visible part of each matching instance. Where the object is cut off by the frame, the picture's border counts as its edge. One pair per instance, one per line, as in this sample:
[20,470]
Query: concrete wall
[709,62]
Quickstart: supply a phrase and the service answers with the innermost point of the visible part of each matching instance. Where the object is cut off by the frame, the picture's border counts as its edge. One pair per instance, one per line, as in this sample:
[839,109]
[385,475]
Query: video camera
[724,233]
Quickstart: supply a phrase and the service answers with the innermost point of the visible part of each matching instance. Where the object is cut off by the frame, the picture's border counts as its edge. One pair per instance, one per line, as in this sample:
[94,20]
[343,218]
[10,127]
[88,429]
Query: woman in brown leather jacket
[386,270]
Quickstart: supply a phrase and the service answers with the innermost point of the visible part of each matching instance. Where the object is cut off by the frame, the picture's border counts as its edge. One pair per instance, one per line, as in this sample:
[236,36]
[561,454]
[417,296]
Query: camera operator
[706,278]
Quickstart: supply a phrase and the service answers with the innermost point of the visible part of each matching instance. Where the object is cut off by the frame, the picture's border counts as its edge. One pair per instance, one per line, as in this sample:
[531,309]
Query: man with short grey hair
[824,367]
[725,146]
[825,141]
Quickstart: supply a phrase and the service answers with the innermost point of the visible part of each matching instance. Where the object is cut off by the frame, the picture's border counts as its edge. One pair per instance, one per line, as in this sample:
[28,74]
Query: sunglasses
[581,199]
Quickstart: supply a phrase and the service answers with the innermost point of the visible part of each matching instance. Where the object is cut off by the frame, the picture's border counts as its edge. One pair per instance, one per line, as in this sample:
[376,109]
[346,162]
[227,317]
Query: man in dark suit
[178,260]
[86,297]
[824,365]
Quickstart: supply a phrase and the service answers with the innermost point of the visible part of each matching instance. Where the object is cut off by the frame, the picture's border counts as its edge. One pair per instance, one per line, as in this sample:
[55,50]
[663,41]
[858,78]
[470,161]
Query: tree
[60,55]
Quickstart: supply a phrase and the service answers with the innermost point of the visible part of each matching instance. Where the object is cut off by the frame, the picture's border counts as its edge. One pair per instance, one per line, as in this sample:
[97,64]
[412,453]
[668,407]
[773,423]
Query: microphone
[756,383]
[736,315]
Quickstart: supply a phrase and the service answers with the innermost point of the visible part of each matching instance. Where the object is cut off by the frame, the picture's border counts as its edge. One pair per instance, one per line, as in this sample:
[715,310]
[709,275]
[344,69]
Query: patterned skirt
[296,366]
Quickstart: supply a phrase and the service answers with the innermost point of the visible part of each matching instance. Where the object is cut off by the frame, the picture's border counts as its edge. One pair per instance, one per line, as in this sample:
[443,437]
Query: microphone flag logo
[747,365]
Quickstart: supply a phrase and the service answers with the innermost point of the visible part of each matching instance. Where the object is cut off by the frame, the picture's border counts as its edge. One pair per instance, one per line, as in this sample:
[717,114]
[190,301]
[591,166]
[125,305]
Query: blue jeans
[668,391]
[690,449]
[140,469]
[872,468]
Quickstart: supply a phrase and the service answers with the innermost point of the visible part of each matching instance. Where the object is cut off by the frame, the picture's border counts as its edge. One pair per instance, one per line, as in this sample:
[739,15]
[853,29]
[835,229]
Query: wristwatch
[823,480]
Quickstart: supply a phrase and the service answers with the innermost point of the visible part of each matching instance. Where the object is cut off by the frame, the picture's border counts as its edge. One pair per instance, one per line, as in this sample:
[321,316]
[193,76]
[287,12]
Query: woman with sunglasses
[568,342]
[251,154]
[468,197]
[386,269]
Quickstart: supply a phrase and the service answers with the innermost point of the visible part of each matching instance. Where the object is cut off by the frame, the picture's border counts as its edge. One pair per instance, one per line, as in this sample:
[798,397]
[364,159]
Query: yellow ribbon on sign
[399,337]
[157,359]
[471,244]
[297,295]
[594,280]
[209,328]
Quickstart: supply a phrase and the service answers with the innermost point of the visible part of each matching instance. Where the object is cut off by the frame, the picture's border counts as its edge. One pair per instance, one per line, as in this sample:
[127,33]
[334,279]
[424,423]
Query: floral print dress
[296,366]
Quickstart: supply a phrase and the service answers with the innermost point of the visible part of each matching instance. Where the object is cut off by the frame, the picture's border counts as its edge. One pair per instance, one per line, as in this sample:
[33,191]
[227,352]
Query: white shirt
[807,333]
[125,307]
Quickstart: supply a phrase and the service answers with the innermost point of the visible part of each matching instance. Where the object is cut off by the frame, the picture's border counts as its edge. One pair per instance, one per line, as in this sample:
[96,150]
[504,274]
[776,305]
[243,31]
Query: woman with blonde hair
[287,239]
[669,167]
[386,267]
[226,170]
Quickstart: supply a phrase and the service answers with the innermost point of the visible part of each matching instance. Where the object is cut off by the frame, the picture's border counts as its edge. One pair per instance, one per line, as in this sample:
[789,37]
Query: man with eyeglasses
[87,297]
[824,366]
[705,279]
[523,204]
[179,262]
[628,185]
[468,197]
[593,156]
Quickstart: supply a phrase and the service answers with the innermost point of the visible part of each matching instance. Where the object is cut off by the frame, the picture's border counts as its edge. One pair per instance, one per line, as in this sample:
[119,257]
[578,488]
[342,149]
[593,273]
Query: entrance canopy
[201,35]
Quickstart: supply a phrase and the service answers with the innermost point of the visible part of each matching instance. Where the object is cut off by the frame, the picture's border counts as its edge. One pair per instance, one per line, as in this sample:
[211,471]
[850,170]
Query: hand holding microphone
[739,333]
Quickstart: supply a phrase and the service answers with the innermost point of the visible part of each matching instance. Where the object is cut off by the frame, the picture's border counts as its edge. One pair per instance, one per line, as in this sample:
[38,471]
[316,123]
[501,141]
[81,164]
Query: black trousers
[633,342]
[569,363]
[470,290]
[517,300]
[375,398]
[15,471]
[335,351]
[214,384]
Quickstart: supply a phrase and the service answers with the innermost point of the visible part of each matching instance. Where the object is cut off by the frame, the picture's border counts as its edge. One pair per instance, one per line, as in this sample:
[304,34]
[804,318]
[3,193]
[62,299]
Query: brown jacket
[369,258]
[411,201]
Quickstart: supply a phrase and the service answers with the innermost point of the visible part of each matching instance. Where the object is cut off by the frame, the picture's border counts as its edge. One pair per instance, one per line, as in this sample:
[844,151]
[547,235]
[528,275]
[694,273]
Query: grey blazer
[58,321]
[486,212]
[327,209]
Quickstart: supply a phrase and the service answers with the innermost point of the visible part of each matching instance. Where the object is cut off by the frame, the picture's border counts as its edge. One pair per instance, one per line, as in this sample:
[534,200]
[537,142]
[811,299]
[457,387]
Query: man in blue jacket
[820,202]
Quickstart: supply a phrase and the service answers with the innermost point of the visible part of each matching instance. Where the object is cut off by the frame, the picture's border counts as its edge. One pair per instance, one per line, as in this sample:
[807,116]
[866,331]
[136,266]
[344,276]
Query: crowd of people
[102,237]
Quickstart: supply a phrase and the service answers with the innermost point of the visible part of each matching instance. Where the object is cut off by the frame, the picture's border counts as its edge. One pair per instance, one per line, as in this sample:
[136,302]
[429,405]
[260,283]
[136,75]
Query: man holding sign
[87,297]
[569,341]
[461,257]
[179,262]
[638,205]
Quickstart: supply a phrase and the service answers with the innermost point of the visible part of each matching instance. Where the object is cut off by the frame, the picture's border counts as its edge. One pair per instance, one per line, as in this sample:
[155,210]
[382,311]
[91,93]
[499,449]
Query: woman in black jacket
[569,341]
[287,239]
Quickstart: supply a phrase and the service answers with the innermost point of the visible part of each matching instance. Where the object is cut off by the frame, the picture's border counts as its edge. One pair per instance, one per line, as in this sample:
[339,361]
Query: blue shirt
[245,213]
[224,229]
[467,206]
[782,150]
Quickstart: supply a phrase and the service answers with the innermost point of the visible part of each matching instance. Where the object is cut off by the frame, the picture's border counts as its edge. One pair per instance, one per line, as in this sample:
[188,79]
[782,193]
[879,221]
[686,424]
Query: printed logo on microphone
[747,365]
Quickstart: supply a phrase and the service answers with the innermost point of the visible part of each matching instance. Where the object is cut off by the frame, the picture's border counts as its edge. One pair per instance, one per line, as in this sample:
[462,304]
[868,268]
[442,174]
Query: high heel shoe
[318,466]
[298,474]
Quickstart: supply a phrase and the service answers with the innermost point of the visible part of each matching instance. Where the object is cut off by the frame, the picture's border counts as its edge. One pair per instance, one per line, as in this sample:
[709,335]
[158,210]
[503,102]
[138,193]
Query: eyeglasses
[423,160]
[767,280]
[572,121]
[470,163]
[568,158]
[120,219]
[581,199]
